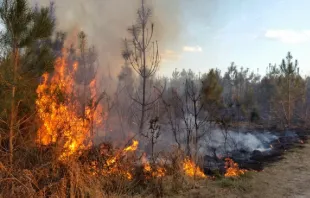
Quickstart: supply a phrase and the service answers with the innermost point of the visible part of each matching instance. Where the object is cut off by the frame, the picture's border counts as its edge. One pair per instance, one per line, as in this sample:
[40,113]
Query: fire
[232,169]
[57,109]
[133,147]
[114,165]
[191,169]
[301,141]
[154,172]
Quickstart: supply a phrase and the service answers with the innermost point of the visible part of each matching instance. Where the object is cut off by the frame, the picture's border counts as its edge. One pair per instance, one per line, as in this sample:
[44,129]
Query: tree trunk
[289,101]
[13,105]
[144,77]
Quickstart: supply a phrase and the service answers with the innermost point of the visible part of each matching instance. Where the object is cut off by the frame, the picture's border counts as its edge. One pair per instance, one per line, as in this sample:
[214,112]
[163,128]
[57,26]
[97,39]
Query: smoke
[106,22]
[248,141]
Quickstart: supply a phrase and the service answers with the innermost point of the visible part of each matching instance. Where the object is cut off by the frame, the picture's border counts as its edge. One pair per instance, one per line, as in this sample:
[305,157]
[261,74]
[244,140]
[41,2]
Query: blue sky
[252,33]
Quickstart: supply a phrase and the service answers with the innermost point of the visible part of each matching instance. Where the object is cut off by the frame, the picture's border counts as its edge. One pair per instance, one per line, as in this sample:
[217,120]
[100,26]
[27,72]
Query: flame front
[149,171]
[57,110]
[232,169]
[132,147]
[113,164]
[191,169]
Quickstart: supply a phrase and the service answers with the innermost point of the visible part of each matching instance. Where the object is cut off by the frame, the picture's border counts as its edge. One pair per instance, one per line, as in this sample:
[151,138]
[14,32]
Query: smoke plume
[106,22]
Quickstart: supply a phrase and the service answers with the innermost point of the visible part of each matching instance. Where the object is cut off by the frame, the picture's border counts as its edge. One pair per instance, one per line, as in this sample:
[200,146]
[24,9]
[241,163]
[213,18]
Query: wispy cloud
[289,36]
[192,49]
[170,55]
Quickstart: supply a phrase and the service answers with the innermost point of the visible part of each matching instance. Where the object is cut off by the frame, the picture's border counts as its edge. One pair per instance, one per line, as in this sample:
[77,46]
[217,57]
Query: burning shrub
[152,170]
[192,170]
[232,169]
[57,109]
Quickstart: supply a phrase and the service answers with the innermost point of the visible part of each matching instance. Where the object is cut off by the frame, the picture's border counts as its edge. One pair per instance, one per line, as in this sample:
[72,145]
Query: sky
[251,33]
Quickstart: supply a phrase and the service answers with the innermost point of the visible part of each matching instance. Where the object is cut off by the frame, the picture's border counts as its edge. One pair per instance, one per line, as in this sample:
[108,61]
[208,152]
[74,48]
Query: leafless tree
[142,54]
[187,117]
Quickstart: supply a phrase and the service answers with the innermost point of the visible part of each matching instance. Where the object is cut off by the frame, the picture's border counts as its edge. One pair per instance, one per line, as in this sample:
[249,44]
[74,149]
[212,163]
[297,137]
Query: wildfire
[133,147]
[115,167]
[232,169]
[154,172]
[58,107]
[191,169]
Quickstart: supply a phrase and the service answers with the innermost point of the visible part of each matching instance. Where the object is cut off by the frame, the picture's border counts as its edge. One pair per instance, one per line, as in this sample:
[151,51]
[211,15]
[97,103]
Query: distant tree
[290,87]
[212,92]
[238,92]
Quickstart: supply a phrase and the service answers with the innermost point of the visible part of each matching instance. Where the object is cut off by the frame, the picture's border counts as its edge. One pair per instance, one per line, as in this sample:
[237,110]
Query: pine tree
[290,86]
[26,33]
[142,54]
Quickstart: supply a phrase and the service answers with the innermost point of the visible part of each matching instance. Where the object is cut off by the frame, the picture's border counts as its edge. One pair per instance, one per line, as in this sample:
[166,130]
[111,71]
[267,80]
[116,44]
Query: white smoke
[248,141]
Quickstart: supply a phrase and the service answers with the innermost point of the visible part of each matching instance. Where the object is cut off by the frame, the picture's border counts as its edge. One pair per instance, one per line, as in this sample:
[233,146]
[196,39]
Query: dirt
[289,177]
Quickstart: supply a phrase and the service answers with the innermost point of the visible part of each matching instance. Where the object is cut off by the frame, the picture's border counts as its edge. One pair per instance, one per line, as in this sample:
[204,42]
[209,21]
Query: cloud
[170,55]
[289,36]
[192,49]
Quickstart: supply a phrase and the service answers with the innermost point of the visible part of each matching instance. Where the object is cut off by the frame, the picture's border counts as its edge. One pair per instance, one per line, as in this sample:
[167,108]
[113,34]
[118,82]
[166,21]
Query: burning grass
[232,169]
[192,170]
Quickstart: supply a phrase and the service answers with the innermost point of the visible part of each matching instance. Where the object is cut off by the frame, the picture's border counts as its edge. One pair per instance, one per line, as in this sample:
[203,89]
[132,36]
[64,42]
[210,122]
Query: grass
[237,183]
[286,178]
[289,177]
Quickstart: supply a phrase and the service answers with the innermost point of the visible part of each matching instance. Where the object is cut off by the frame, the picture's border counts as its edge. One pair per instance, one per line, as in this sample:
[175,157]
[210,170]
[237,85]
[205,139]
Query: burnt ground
[289,177]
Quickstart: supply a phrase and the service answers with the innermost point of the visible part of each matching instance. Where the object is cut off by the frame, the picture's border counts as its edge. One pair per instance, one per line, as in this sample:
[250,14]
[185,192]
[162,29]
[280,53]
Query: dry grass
[289,177]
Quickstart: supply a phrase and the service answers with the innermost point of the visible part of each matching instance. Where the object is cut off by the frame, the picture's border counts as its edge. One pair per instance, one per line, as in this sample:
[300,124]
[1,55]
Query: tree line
[183,106]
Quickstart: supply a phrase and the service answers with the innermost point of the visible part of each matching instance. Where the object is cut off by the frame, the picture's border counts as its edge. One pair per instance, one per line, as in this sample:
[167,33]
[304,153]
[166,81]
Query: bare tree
[142,54]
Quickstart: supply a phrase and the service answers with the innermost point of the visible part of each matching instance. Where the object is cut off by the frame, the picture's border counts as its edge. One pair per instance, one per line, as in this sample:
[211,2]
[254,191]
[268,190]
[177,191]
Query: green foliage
[290,89]
[212,88]
[212,92]
[26,54]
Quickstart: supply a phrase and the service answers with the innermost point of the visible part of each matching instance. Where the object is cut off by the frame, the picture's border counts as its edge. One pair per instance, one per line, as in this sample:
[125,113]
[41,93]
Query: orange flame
[114,166]
[154,172]
[133,147]
[191,169]
[232,169]
[57,110]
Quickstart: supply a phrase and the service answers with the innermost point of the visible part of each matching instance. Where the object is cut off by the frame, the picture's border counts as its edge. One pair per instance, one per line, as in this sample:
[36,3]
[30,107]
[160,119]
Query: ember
[232,169]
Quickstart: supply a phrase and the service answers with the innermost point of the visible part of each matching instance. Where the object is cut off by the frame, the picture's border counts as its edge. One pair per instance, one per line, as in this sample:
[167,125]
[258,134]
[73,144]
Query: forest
[62,134]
